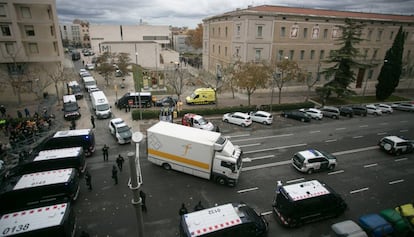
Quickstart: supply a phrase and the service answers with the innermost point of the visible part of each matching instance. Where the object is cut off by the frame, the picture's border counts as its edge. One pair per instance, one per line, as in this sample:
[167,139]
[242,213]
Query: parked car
[405,107]
[120,130]
[386,109]
[197,121]
[295,114]
[313,113]
[372,109]
[346,111]
[312,160]
[407,211]
[90,66]
[375,225]
[330,112]
[238,118]
[400,225]
[348,228]
[396,145]
[359,110]
[261,117]
[166,101]
[118,73]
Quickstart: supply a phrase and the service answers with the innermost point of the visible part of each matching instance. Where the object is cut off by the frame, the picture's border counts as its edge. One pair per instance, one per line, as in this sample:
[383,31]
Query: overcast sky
[191,12]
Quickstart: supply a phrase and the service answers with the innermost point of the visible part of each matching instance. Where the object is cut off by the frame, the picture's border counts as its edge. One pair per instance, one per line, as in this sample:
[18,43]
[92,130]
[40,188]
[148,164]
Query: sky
[189,13]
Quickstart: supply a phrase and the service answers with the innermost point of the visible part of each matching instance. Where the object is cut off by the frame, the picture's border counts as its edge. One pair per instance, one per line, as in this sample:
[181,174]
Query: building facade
[307,36]
[75,34]
[30,48]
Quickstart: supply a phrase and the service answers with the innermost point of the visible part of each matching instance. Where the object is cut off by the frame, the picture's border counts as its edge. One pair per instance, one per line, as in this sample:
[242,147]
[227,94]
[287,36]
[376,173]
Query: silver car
[261,117]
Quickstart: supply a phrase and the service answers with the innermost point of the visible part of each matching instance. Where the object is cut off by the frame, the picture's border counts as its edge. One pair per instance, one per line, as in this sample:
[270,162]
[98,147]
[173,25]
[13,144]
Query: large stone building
[304,35]
[75,34]
[30,48]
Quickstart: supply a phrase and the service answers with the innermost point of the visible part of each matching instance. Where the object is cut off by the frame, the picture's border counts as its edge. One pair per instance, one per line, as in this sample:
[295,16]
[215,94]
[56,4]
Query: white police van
[100,105]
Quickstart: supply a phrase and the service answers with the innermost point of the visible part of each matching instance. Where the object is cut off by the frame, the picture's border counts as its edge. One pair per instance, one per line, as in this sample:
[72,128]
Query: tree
[105,65]
[284,71]
[391,70]
[250,76]
[195,37]
[309,80]
[123,62]
[175,78]
[343,59]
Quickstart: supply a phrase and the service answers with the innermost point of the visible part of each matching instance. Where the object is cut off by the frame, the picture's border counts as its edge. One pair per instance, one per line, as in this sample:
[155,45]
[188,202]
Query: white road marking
[295,180]
[247,190]
[340,129]
[383,123]
[336,172]
[332,140]
[262,157]
[370,165]
[401,159]
[354,150]
[363,126]
[396,181]
[274,148]
[403,121]
[267,165]
[266,213]
[253,144]
[314,131]
[260,138]
[404,130]
[358,190]
[358,137]
[381,133]
[246,159]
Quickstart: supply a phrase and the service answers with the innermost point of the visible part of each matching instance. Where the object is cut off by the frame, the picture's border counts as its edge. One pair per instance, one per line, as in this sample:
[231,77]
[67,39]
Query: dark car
[346,111]
[359,110]
[298,115]
[166,101]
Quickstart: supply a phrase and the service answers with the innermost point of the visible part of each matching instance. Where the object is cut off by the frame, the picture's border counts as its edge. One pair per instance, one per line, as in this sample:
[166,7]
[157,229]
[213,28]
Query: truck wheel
[166,166]
[221,180]
[331,167]
[226,121]
[310,171]
[243,125]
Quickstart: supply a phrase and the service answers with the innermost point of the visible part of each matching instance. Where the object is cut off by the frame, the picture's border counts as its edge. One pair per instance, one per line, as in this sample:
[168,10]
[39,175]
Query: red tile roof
[330,13]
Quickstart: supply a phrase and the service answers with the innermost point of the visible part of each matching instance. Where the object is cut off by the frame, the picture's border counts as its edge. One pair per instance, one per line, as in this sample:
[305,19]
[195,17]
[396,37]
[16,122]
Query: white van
[100,105]
[89,83]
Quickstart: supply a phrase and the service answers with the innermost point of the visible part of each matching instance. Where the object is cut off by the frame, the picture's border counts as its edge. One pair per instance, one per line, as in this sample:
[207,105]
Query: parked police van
[45,220]
[73,157]
[233,219]
[100,105]
[133,99]
[300,203]
[84,138]
[75,89]
[70,107]
[34,188]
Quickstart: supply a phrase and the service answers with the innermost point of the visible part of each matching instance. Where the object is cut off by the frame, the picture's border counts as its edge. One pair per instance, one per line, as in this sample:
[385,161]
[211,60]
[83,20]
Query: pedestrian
[183,210]
[93,121]
[27,112]
[88,179]
[19,114]
[105,152]
[115,174]
[72,125]
[3,111]
[198,207]
[142,195]
[120,161]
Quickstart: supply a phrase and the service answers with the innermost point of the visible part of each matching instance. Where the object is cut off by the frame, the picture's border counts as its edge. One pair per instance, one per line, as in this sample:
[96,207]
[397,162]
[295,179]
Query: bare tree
[56,76]
[216,82]
[284,71]
[105,65]
[309,80]
[175,78]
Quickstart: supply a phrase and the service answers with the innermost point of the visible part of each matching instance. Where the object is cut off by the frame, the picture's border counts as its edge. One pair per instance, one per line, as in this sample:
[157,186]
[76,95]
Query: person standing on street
[120,161]
[105,152]
[19,114]
[27,112]
[3,111]
[199,206]
[142,195]
[93,121]
[183,210]
[115,174]
[88,179]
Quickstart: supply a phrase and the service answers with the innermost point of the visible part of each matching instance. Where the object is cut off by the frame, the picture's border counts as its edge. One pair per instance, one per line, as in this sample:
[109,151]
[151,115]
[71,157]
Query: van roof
[43,178]
[69,133]
[310,153]
[88,79]
[212,219]
[139,93]
[304,190]
[73,83]
[204,89]
[36,218]
[58,153]
[69,98]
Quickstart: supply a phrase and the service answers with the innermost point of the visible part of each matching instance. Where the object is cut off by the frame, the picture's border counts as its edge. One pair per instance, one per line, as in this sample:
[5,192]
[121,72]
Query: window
[55,46]
[312,54]
[219,31]
[5,30]
[325,33]
[226,31]
[280,55]
[366,53]
[291,54]
[369,35]
[322,54]
[305,33]
[391,35]
[10,48]
[379,35]
[237,51]
[238,30]
[302,54]
[258,55]
[29,30]
[219,49]
[25,12]
[315,32]
[370,72]
[52,31]
[282,32]
[213,48]
[225,51]
[3,10]
[375,54]
[335,32]
[408,53]
[33,48]
[259,31]
[213,31]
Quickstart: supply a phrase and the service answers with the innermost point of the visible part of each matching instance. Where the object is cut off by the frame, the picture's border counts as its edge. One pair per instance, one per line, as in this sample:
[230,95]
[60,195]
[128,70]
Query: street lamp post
[136,181]
[139,86]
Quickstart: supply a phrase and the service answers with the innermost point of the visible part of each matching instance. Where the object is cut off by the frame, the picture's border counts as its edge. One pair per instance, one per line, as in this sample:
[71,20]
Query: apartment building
[304,35]
[71,35]
[30,48]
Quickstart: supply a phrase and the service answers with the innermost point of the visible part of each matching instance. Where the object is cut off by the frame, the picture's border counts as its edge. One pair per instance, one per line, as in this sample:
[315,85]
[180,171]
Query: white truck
[197,152]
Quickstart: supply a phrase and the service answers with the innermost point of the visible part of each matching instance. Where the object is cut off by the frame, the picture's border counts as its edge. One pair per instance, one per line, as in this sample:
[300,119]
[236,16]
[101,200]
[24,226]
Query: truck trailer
[198,152]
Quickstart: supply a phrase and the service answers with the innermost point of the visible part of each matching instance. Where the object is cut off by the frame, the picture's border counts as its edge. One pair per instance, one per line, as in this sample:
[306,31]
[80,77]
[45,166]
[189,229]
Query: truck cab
[197,121]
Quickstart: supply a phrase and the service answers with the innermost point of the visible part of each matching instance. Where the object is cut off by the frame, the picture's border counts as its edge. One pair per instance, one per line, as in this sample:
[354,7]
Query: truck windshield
[90,83]
[69,107]
[193,95]
[102,107]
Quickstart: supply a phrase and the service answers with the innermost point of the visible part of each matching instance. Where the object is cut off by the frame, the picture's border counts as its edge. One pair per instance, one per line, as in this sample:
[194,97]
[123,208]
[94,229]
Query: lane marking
[314,132]
[247,190]
[383,123]
[401,159]
[262,157]
[381,133]
[274,148]
[370,165]
[295,180]
[260,138]
[253,144]
[336,172]
[396,181]
[340,129]
[267,165]
[354,150]
[266,213]
[356,137]
[363,126]
[404,130]
[359,190]
[403,121]
[241,135]
[332,140]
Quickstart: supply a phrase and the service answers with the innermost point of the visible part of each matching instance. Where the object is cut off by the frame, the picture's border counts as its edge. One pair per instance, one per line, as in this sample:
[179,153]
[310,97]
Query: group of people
[183,210]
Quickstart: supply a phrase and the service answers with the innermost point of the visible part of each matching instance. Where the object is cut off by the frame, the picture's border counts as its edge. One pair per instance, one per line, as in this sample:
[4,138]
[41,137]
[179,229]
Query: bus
[233,219]
[73,157]
[48,220]
[40,187]
[71,138]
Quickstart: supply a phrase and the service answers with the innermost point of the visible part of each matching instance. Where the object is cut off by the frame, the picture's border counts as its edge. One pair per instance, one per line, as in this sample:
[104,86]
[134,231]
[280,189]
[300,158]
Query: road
[367,178]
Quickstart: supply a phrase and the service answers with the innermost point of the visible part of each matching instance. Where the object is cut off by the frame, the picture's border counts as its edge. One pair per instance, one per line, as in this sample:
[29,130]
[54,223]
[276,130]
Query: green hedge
[154,114]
